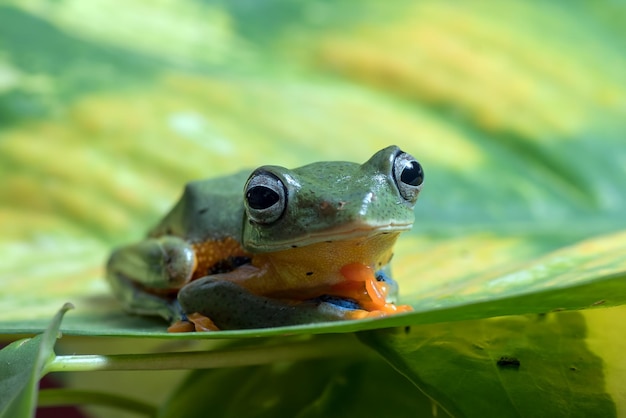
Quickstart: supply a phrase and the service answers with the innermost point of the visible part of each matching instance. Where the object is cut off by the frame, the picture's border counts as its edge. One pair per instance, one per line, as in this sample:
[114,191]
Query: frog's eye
[265,198]
[408,175]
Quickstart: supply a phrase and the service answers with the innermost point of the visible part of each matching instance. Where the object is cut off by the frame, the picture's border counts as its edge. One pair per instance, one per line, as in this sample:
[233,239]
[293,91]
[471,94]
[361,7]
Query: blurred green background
[517,110]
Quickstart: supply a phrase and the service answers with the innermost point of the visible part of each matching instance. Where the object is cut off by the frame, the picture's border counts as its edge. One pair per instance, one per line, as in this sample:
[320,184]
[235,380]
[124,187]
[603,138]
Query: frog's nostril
[330,208]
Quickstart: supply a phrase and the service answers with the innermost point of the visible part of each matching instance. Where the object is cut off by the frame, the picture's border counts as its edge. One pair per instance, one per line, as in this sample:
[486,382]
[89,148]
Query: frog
[274,247]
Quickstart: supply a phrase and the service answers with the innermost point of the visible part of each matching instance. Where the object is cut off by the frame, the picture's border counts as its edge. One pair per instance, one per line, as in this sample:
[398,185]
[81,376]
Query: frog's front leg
[145,276]
[230,306]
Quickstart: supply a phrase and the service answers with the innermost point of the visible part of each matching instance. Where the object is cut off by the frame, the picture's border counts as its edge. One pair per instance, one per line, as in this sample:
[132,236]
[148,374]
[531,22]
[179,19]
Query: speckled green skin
[322,197]
[208,209]
[329,196]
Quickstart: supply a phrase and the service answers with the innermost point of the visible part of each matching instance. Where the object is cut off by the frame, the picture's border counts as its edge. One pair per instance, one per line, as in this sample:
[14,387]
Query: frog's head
[330,201]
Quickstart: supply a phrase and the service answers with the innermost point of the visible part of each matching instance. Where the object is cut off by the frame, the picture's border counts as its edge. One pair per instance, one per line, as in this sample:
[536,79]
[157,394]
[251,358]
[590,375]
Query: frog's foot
[351,309]
[389,309]
[146,275]
[202,323]
[193,322]
[183,322]
[181,326]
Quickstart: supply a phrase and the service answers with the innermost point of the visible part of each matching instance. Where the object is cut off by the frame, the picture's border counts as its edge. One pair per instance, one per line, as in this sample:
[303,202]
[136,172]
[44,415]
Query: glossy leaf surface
[512,366]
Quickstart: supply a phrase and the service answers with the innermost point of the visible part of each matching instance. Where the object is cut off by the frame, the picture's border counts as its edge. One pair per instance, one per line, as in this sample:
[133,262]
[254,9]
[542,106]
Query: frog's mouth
[346,232]
[351,231]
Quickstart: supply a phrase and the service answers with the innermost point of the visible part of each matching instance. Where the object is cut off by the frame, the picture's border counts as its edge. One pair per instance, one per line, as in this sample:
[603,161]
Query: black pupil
[412,174]
[261,197]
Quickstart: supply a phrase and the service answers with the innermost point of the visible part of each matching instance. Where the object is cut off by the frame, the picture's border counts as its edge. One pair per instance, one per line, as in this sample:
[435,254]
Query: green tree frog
[274,247]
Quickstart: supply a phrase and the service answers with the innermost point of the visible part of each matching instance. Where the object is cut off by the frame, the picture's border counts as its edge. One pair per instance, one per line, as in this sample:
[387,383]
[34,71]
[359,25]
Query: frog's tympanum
[275,247]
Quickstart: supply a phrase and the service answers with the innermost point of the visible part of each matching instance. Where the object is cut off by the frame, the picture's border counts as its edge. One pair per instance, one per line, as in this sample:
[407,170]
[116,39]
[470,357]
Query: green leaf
[22,364]
[335,388]
[19,377]
[514,366]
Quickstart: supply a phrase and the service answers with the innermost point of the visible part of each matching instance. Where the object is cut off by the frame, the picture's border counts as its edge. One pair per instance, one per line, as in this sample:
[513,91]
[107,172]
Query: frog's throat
[340,233]
[308,271]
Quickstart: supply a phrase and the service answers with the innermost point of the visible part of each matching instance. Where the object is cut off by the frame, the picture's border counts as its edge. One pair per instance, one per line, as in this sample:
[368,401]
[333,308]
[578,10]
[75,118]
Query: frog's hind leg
[145,276]
[230,306]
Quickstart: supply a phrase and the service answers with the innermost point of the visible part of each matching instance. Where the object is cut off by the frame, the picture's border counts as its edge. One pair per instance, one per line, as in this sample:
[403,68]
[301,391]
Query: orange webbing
[361,285]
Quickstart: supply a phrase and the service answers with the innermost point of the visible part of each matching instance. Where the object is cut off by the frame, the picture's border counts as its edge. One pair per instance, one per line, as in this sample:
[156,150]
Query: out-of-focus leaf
[22,364]
[19,377]
[514,366]
[335,388]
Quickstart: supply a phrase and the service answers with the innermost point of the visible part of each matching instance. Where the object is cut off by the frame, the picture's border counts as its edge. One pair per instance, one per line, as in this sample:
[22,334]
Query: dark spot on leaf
[202,211]
[508,362]
[309,273]
[407,329]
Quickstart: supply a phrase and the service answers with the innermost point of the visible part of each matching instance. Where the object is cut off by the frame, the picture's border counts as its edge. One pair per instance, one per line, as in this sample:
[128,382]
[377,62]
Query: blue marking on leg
[180,315]
[344,303]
